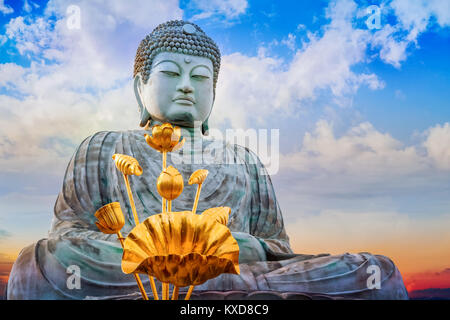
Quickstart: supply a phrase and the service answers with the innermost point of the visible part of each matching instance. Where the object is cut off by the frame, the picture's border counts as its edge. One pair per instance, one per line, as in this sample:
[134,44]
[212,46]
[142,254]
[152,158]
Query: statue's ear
[138,85]
[205,124]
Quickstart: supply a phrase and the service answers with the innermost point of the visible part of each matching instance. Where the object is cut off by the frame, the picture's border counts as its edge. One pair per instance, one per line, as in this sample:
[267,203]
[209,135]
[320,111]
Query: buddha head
[175,75]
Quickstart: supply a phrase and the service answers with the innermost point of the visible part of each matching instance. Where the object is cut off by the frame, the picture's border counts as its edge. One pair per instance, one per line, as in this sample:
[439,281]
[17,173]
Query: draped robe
[236,179]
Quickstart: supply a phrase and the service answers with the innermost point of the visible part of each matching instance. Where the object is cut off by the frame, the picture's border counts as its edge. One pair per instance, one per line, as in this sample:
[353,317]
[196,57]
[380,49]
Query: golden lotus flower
[127,164]
[219,214]
[198,176]
[165,138]
[181,248]
[110,218]
[170,183]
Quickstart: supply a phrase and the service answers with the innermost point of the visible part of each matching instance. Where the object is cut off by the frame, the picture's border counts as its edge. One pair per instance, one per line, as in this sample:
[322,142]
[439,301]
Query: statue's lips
[184,100]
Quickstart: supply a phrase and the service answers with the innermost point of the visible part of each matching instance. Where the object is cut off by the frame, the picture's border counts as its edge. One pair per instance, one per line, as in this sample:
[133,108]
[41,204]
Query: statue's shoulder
[102,137]
[108,141]
[246,153]
[242,154]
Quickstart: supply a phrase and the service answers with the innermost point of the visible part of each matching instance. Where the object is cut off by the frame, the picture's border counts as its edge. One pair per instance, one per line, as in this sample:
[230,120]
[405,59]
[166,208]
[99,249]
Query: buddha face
[179,89]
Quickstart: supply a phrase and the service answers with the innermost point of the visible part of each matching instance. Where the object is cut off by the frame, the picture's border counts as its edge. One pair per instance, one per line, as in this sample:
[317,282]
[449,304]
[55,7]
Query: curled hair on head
[176,36]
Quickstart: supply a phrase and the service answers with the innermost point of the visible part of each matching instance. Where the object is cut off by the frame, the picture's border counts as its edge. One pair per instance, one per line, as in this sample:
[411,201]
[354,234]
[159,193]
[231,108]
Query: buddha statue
[175,76]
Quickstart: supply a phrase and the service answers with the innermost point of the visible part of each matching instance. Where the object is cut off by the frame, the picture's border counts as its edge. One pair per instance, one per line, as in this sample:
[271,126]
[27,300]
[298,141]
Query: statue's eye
[170,73]
[200,73]
[200,76]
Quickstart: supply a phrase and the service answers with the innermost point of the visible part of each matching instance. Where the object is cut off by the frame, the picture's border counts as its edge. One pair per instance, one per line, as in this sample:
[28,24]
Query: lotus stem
[154,291]
[130,197]
[119,235]
[197,196]
[165,291]
[164,164]
[141,287]
[175,293]
[169,206]
[164,205]
[136,221]
[136,276]
[188,294]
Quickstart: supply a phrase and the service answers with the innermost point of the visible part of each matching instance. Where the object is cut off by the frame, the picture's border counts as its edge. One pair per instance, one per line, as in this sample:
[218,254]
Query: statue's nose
[185,85]
[187,89]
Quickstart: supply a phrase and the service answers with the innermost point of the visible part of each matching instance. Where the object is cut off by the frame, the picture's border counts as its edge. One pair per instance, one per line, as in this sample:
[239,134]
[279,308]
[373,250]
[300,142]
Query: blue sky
[364,115]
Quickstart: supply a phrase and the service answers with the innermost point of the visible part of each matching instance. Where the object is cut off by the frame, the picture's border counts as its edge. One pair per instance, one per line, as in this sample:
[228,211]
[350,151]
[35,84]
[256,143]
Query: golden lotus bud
[219,214]
[198,176]
[127,164]
[110,218]
[170,183]
[165,138]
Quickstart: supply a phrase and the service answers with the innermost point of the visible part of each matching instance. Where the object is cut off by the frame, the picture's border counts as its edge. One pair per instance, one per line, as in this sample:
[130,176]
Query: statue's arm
[82,191]
[266,220]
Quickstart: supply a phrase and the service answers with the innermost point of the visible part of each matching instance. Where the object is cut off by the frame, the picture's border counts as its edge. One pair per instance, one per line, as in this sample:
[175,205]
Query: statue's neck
[192,134]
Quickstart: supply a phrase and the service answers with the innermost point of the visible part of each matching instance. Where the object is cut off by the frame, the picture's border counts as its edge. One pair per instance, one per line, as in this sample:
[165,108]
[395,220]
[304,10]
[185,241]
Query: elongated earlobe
[147,126]
[145,116]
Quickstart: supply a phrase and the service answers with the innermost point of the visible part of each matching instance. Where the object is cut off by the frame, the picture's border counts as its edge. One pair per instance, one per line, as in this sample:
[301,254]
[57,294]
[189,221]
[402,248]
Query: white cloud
[361,149]
[4,8]
[247,87]
[30,35]
[257,87]
[26,6]
[392,49]
[11,75]
[365,161]
[289,41]
[230,9]
[90,67]
[364,170]
[254,88]
[367,191]
[414,17]
[438,145]
[86,86]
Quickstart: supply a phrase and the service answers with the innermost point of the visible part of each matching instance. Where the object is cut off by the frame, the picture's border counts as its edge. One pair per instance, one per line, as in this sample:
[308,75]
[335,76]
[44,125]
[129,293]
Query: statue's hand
[250,249]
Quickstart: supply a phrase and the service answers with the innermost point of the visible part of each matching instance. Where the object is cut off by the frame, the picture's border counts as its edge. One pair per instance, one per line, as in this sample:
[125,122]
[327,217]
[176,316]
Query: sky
[359,91]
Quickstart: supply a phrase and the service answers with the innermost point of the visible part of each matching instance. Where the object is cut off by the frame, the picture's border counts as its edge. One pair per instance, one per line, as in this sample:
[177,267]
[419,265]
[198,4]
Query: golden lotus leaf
[198,176]
[165,138]
[181,248]
[170,183]
[219,214]
[127,164]
[110,218]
